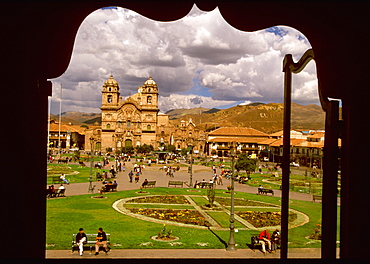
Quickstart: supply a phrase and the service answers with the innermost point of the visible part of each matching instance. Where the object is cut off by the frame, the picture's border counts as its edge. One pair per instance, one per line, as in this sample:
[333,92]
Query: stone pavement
[294,253]
[152,173]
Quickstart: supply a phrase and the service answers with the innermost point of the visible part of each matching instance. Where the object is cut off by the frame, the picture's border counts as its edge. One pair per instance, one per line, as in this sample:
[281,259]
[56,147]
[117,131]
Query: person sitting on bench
[264,239]
[145,183]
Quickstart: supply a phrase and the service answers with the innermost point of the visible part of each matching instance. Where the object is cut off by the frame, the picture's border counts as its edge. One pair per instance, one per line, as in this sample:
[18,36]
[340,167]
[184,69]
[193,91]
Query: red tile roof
[237,131]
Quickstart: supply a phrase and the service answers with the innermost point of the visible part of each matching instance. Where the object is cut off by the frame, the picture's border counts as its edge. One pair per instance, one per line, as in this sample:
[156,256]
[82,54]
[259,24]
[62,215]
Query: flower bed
[224,201]
[165,199]
[192,217]
[262,219]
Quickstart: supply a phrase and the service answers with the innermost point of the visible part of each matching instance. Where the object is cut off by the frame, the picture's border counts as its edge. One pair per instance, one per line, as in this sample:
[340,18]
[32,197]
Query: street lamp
[91,189]
[190,148]
[231,243]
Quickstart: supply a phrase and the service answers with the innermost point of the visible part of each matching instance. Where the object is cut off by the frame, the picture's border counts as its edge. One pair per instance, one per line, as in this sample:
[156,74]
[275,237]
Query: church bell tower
[110,93]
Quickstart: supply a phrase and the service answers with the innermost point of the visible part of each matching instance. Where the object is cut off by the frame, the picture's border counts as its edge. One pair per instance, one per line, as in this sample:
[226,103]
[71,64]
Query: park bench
[205,185]
[56,179]
[150,184]
[175,183]
[63,160]
[60,193]
[57,193]
[316,197]
[265,191]
[81,163]
[90,242]
[110,188]
[255,242]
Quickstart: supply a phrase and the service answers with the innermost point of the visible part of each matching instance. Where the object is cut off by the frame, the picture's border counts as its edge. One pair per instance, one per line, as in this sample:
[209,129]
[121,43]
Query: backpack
[254,240]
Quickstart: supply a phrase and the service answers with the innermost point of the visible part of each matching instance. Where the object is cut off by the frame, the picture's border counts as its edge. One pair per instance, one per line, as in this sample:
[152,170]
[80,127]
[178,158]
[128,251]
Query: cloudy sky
[197,61]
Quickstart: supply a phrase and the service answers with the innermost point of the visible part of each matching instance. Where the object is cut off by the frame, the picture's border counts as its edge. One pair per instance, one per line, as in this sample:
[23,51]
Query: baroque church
[136,121]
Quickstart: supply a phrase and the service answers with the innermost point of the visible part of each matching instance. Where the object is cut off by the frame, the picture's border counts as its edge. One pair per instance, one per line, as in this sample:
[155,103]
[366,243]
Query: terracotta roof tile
[64,128]
[237,131]
[237,139]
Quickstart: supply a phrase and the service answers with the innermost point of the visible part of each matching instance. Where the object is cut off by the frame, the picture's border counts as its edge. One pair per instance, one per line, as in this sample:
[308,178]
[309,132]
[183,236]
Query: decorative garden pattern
[188,210]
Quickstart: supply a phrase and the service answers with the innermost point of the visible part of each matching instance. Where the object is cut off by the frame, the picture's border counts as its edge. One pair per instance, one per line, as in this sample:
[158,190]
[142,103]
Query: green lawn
[74,173]
[66,215]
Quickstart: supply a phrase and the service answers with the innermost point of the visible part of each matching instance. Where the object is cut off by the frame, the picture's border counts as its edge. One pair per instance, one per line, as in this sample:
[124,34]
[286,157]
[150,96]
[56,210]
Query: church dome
[150,81]
[111,82]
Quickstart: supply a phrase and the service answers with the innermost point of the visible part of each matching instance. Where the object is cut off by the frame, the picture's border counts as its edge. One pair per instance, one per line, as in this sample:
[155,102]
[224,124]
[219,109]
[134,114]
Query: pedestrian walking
[219,178]
[130,174]
[137,176]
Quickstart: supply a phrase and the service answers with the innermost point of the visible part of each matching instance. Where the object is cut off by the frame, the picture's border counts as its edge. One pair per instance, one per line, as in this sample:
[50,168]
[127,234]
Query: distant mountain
[211,111]
[178,113]
[78,118]
[267,118]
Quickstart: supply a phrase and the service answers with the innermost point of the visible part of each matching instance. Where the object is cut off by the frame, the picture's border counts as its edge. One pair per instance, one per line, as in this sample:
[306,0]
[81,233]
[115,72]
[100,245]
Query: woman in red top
[263,239]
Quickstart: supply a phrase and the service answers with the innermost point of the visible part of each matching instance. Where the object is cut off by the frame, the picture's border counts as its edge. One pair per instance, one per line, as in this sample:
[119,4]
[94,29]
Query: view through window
[146,106]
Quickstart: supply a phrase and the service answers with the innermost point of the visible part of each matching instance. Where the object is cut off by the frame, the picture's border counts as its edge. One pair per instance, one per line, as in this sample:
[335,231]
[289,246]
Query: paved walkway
[152,173]
[294,253]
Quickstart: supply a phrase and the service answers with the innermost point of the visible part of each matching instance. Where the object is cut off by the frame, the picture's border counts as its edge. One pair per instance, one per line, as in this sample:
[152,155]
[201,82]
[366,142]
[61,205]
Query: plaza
[153,173]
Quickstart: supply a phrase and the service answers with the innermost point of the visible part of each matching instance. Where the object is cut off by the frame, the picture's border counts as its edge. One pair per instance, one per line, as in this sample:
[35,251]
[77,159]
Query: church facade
[136,121]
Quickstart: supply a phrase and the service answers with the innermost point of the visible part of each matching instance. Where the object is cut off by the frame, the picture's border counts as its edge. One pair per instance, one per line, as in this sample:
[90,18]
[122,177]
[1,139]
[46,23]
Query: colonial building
[188,135]
[136,121]
[65,136]
[133,121]
[247,140]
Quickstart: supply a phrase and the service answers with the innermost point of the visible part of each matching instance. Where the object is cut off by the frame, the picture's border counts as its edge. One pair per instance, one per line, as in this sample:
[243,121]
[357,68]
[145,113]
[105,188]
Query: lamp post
[91,190]
[231,243]
[190,147]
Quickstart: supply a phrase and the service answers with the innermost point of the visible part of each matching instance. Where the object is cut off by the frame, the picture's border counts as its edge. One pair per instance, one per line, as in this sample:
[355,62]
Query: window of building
[149,127]
[128,124]
[108,126]
[109,99]
[149,100]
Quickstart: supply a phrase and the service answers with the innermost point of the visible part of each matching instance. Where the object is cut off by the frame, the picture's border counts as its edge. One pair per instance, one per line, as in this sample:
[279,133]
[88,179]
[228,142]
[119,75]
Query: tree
[184,152]
[245,163]
[128,150]
[170,148]
[143,149]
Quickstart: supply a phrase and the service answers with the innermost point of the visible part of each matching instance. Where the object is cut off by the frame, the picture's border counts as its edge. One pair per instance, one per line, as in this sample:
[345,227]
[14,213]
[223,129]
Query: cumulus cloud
[176,101]
[228,65]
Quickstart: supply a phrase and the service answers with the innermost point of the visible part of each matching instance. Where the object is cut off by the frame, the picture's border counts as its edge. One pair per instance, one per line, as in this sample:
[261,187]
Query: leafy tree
[144,149]
[170,148]
[245,163]
[184,152]
[128,150]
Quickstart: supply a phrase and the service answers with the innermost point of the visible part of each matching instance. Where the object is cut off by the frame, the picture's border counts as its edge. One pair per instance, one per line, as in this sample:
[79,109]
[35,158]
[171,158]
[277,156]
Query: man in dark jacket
[81,239]
[101,239]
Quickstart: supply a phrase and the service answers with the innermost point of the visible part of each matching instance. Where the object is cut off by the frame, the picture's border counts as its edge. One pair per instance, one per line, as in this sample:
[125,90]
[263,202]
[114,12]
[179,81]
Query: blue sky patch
[277,31]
